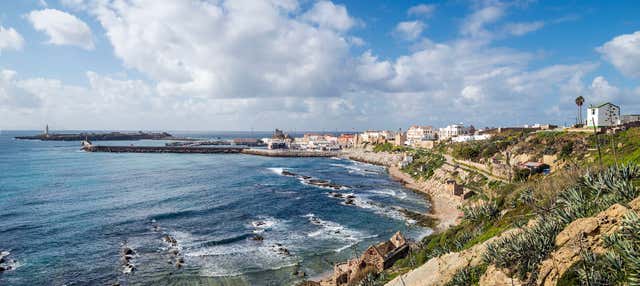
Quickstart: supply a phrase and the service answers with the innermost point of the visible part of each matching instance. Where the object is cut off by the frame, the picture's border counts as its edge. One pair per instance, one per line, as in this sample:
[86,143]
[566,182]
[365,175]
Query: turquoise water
[66,214]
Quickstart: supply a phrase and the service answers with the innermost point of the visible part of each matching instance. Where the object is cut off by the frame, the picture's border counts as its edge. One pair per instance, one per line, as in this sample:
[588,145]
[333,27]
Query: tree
[579,102]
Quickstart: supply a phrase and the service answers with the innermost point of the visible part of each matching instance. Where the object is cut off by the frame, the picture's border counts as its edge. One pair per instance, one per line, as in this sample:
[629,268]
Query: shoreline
[443,206]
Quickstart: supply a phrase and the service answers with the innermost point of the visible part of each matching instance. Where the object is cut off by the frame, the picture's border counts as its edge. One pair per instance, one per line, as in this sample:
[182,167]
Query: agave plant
[484,211]
[523,251]
[467,276]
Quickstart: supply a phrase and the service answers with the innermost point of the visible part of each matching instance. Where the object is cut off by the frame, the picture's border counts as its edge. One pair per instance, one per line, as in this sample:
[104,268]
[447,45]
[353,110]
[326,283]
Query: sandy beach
[444,205]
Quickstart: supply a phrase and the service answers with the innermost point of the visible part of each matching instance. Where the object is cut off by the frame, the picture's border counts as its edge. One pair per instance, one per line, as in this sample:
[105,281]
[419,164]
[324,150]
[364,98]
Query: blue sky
[238,65]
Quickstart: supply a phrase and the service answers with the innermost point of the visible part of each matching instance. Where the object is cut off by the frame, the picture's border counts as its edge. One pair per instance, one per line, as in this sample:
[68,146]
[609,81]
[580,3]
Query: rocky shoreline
[444,205]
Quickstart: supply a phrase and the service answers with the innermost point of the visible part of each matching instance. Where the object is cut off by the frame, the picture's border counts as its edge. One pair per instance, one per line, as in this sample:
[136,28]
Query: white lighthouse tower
[46,130]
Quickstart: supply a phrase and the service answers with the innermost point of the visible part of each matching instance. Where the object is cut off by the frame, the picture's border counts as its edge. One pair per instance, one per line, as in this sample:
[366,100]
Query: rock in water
[128,268]
[127,251]
[3,255]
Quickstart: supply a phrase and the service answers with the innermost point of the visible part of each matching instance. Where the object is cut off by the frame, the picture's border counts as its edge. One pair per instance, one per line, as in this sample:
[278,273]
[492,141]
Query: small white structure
[374,136]
[406,160]
[606,114]
[452,131]
[467,138]
[629,118]
[417,133]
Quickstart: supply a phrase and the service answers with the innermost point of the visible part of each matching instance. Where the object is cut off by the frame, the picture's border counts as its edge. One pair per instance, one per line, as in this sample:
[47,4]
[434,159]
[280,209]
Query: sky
[312,65]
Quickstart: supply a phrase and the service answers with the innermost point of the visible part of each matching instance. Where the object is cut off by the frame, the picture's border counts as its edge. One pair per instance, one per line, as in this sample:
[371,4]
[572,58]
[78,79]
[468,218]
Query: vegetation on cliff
[541,207]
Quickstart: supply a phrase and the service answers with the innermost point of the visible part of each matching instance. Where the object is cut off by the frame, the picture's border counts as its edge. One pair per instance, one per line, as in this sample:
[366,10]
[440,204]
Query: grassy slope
[517,203]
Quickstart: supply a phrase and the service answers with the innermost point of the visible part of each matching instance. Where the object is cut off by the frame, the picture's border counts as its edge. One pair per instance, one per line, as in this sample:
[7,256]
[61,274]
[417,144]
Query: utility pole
[613,146]
[595,131]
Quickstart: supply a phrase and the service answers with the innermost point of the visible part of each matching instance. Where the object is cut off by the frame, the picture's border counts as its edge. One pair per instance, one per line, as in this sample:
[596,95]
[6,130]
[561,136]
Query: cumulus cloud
[241,64]
[62,28]
[623,52]
[409,30]
[422,10]
[519,29]
[476,24]
[238,48]
[326,14]
[10,39]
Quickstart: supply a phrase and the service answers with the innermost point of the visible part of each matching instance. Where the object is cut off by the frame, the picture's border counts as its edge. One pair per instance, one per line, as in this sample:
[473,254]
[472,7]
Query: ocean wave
[276,170]
[392,193]
[391,212]
[309,180]
[236,255]
[263,223]
[330,230]
[333,230]
[357,169]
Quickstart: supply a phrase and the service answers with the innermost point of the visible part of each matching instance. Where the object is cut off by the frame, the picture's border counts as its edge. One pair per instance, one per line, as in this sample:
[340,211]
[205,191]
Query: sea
[66,215]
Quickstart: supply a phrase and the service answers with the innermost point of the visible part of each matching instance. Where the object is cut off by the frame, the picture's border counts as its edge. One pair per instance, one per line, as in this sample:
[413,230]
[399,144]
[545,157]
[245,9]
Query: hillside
[517,231]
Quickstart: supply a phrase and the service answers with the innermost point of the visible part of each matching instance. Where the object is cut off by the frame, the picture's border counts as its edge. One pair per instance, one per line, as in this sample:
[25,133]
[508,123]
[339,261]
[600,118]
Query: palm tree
[579,102]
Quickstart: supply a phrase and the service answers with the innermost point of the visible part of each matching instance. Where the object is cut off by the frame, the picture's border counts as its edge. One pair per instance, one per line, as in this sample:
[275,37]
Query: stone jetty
[93,136]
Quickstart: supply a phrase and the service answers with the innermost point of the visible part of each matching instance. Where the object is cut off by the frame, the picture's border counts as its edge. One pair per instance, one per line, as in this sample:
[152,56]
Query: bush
[468,276]
[481,212]
[523,251]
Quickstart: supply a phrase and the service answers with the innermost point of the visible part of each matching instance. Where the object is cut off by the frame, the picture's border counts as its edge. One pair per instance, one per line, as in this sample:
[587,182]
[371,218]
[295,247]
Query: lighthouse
[46,130]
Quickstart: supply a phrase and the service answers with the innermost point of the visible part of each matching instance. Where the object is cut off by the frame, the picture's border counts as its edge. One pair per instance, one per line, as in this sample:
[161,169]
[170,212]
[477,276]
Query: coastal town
[426,159]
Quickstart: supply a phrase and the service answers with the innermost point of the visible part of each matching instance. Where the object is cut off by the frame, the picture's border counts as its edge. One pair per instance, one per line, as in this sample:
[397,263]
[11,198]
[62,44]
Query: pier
[162,149]
[87,146]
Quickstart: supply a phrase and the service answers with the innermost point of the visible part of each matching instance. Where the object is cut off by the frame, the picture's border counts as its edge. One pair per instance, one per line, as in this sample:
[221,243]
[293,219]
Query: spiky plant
[523,251]
[467,276]
[481,212]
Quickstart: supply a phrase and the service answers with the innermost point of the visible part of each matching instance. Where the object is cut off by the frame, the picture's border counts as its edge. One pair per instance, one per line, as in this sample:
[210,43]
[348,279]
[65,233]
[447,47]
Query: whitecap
[276,170]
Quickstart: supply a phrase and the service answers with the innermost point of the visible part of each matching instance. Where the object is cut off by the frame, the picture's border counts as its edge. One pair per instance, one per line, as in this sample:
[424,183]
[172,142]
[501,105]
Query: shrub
[467,276]
[523,251]
[481,212]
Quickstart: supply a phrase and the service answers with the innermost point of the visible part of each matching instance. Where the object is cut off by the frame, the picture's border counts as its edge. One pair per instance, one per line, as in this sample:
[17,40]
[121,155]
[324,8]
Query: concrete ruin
[376,258]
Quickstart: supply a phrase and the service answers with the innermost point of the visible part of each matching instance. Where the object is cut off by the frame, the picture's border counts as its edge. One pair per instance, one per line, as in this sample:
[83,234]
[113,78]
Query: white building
[372,136]
[417,133]
[606,114]
[467,138]
[452,131]
[628,118]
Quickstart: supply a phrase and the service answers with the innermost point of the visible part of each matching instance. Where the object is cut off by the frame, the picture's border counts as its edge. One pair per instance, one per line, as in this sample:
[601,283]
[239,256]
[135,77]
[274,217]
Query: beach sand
[444,206]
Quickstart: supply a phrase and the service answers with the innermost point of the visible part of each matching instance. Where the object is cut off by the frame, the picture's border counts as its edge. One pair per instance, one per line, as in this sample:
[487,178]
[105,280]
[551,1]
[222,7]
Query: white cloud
[623,52]
[409,30]
[602,91]
[62,28]
[422,10]
[241,64]
[326,14]
[10,39]
[476,24]
[235,48]
[519,29]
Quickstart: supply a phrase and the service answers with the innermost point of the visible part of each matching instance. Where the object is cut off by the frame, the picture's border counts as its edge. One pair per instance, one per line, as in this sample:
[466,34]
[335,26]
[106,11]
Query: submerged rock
[128,268]
[287,173]
[127,251]
[169,239]
[3,255]
[335,195]
[257,237]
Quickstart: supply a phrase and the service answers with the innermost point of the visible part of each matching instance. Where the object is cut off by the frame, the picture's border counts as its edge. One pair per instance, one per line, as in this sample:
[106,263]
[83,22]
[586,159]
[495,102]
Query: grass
[552,201]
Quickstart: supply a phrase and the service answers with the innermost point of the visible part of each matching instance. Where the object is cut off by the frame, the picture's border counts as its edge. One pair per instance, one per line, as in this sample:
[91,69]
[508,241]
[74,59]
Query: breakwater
[162,149]
[111,136]
[207,150]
